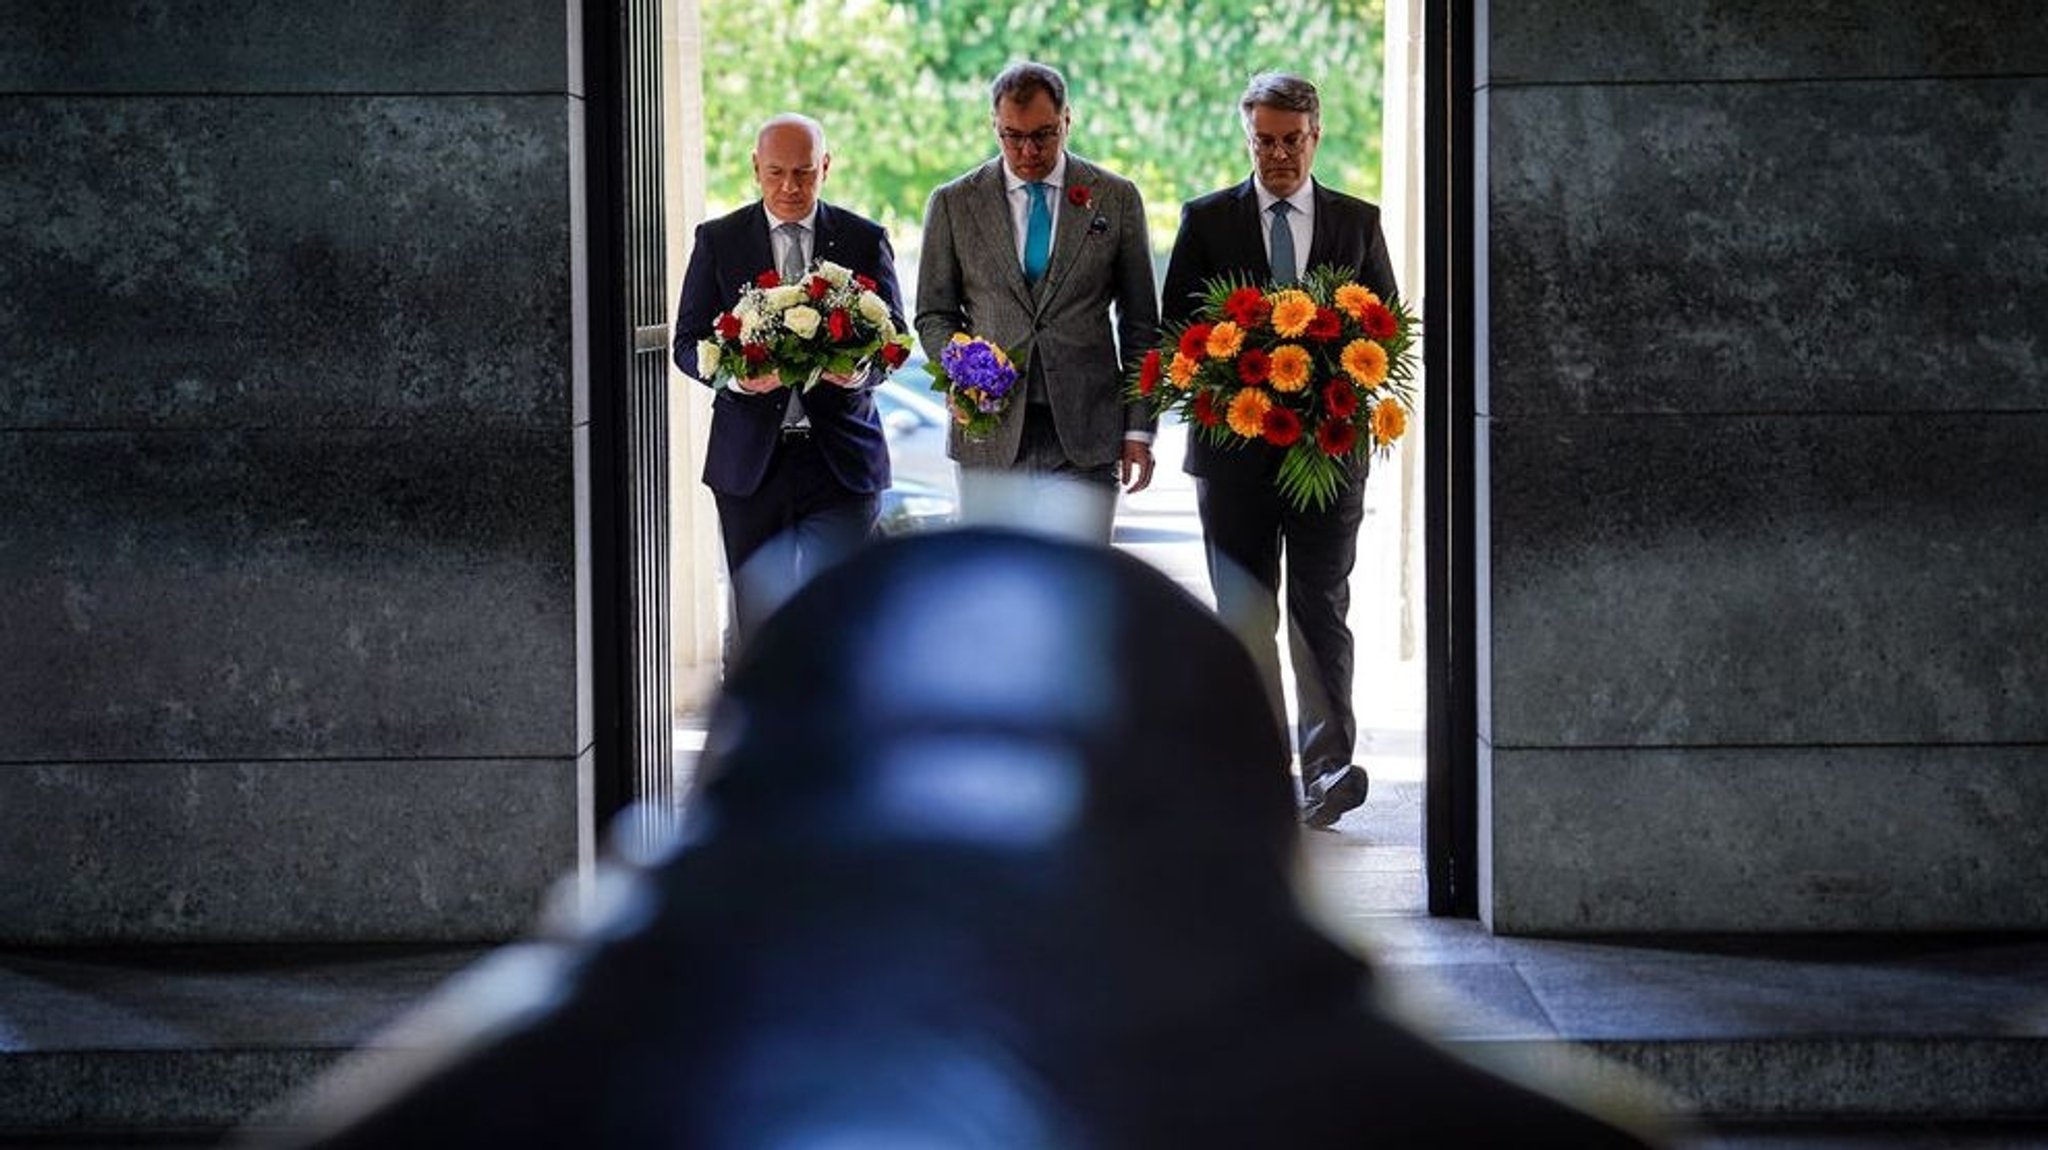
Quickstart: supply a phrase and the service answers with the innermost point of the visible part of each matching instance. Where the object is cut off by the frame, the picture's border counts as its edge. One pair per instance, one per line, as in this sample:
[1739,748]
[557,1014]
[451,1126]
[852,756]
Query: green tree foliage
[902,88]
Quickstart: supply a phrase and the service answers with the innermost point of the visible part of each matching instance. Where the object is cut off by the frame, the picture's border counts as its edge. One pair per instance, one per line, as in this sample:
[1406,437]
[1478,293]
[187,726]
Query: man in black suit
[797,474]
[1247,528]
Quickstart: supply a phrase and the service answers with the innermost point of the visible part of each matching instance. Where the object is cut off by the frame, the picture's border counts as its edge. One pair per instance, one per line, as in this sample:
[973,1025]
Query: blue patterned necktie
[1037,232]
[1284,270]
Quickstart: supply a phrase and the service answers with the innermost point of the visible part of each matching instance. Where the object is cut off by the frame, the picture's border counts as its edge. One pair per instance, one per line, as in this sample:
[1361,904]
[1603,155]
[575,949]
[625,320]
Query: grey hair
[1025,79]
[1282,90]
[784,119]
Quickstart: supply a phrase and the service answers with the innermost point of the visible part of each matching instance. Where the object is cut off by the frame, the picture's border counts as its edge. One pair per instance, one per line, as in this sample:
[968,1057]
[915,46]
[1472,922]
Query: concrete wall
[1765,444]
[288,552]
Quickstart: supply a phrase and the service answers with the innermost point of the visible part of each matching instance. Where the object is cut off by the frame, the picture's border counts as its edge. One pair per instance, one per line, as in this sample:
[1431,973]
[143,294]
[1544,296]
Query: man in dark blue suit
[1254,230]
[797,474]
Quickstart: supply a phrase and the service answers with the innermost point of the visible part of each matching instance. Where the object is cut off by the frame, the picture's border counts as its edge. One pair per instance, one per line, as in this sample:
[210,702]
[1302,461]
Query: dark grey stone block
[1627,40]
[1856,247]
[341,262]
[335,851]
[1708,580]
[253,46]
[283,594]
[1769,839]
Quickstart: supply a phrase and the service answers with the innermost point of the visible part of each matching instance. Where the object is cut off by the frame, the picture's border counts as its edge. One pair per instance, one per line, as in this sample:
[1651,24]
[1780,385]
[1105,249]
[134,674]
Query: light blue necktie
[1037,232]
[1284,270]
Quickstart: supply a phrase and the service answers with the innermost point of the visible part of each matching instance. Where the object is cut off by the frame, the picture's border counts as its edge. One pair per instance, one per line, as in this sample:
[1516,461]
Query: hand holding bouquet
[978,380]
[830,322]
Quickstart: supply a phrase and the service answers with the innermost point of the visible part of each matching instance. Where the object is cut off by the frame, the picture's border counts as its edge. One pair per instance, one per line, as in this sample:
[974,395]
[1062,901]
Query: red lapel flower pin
[1078,195]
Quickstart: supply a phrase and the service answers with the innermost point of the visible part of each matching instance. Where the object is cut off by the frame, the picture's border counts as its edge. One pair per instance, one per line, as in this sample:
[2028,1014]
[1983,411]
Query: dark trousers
[797,523]
[1248,530]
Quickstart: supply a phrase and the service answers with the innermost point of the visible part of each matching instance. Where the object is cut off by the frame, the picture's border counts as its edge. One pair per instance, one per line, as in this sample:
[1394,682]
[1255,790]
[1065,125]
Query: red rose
[1327,325]
[1282,427]
[1247,307]
[1148,372]
[1336,437]
[816,287]
[1340,399]
[1078,195]
[1379,321]
[1205,409]
[727,325]
[1253,365]
[754,352]
[839,325]
[1195,340]
[865,283]
[768,279]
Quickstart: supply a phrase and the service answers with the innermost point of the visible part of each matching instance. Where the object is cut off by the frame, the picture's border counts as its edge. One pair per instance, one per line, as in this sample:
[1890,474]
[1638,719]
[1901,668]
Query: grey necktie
[793,264]
[1284,269]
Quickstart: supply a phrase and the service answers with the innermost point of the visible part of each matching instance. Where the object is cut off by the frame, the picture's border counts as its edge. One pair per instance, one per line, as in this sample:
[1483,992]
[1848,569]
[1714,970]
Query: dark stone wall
[1766,424]
[288,560]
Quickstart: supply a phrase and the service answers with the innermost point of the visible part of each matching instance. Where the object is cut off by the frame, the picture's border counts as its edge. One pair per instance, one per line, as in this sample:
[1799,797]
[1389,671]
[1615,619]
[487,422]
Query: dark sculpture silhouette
[992,846]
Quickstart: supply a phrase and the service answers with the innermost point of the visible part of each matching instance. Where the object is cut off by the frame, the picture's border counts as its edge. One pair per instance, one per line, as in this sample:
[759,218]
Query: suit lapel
[1322,238]
[825,244]
[991,228]
[755,250]
[1070,230]
[1251,232]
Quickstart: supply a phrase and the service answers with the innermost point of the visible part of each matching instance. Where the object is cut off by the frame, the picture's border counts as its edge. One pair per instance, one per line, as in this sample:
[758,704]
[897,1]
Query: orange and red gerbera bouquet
[1323,369]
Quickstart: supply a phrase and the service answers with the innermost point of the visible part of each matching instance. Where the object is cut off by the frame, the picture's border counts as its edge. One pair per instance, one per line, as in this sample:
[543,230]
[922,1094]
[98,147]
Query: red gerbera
[1340,399]
[1205,409]
[1253,365]
[1379,322]
[1337,436]
[1148,372]
[1195,340]
[727,325]
[839,325]
[768,279]
[1327,325]
[1282,426]
[1247,307]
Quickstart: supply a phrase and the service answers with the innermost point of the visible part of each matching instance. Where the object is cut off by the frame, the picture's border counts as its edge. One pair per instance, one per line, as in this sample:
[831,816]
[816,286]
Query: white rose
[707,358]
[801,320]
[784,297]
[834,274]
[873,310]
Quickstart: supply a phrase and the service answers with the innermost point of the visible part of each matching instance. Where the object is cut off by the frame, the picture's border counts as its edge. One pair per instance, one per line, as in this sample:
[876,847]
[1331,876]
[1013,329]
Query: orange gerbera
[1293,309]
[1352,300]
[1181,372]
[1366,362]
[1388,422]
[1248,412]
[1224,340]
[1288,367]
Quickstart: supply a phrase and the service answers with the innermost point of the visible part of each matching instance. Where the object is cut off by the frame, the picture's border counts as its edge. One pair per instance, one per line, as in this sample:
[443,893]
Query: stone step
[1884,1034]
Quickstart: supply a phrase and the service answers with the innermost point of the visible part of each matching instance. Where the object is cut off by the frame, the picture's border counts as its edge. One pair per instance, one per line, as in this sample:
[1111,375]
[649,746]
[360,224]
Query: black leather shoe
[1332,793]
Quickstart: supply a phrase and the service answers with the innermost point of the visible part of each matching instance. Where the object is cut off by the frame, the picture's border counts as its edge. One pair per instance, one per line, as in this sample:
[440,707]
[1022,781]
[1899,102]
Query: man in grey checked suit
[1076,302]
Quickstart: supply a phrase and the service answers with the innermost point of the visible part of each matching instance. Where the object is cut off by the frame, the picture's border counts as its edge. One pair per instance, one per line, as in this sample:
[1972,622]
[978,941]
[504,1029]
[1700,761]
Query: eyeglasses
[1292,144]
[1037,141]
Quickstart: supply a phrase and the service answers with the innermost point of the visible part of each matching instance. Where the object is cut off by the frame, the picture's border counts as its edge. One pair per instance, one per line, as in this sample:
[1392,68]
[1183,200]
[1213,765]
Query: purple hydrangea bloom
[976,367]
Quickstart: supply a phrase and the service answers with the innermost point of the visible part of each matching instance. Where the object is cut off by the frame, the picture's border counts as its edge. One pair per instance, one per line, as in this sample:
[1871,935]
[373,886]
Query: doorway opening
[1373,861]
